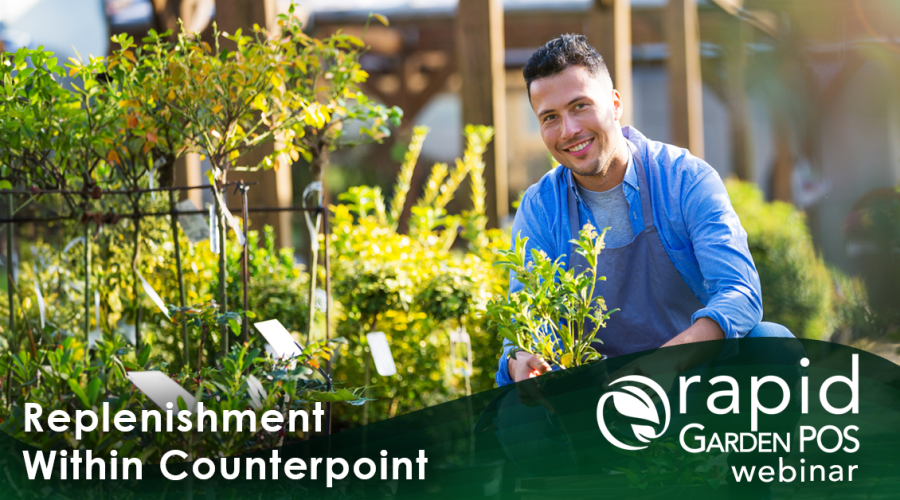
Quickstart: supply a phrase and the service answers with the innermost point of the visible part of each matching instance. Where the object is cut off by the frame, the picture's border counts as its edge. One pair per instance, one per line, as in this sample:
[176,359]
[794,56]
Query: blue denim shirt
[697,225]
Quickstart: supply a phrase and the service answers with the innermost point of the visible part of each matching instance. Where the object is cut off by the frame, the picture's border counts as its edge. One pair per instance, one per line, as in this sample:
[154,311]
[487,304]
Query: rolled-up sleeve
[720,247]
[502,376]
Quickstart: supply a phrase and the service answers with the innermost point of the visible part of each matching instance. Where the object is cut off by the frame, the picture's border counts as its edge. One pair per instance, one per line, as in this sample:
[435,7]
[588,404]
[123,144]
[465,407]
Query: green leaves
[555,315]
[79,393]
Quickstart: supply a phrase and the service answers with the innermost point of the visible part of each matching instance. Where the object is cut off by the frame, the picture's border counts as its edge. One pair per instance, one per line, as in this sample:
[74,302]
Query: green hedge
[797,285]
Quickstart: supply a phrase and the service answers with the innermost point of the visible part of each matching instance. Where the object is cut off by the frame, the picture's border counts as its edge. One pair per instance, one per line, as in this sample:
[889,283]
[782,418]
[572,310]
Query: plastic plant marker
[161,389]
[460,340]
[42,306]
[213,234]
[234,226]
[279,338]
[72,243]
[193,225]
[381,353]
[94,335]
[230,220]
[148,289]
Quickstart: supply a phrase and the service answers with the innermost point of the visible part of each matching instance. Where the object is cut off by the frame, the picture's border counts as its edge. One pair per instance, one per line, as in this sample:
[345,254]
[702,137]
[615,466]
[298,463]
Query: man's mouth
[579,149]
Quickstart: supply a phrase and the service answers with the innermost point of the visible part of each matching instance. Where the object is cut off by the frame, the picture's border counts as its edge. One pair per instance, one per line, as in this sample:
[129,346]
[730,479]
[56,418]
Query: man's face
[579,115]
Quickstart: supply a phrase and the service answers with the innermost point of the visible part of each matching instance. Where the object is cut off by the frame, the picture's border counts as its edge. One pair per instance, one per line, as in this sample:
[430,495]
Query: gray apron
[654,302]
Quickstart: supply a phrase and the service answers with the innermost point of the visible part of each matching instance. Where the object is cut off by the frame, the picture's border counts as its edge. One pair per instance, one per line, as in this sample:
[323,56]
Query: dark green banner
[760,418]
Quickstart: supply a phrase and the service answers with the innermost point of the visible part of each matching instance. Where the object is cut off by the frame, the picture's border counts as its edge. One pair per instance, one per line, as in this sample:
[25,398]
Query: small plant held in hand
[548,316]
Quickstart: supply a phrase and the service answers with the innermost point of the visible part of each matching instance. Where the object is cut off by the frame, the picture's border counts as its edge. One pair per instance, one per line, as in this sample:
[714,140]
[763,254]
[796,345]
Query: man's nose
[570,128]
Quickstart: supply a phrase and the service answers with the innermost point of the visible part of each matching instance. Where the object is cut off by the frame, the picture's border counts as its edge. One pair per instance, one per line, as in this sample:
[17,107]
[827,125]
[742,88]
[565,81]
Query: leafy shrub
[797,285]
[64,377]
[415,287]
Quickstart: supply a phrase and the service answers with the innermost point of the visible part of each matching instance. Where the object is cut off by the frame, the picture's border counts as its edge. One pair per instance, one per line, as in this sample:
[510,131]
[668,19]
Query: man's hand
[526,366]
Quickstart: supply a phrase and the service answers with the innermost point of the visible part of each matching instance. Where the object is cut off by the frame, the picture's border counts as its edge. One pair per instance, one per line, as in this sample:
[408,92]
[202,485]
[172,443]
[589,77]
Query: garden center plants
[416,287]
[88,146]
[556,315]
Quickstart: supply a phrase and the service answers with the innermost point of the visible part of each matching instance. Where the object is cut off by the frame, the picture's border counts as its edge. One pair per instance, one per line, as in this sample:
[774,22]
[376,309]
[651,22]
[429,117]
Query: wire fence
[240,188]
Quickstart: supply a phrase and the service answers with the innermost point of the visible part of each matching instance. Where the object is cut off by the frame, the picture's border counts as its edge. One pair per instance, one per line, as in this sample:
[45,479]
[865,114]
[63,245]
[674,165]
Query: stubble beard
[602,166]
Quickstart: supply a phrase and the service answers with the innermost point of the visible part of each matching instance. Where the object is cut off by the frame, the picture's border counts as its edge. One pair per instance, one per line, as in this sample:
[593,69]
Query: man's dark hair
[560,53]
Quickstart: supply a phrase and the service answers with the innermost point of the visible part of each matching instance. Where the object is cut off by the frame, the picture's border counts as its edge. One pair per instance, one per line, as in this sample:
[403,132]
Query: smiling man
[676,261]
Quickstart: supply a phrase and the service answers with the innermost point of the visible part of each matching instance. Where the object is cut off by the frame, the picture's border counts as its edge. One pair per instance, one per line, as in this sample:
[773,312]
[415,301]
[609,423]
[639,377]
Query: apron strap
[574,222]
[643,186]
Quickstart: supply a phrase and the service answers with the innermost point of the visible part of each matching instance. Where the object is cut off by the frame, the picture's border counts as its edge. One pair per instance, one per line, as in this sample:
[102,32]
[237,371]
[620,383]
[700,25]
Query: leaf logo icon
[635,403]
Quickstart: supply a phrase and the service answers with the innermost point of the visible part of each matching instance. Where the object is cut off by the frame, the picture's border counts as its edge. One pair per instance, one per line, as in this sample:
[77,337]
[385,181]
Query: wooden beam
[193,176]
[685,84]
[480,59]
[436,83]
[608,29]
[734,40]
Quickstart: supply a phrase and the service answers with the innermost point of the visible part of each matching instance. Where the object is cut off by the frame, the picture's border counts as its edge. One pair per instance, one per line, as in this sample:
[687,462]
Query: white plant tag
[41,305]
[161,389]
[213,233]
[128,331]
[72,243]
[256,392]
[153,295]
[460,365]
[193,225]
[234,226]
[230,220]
[381,353]
[279,338]
[94,335]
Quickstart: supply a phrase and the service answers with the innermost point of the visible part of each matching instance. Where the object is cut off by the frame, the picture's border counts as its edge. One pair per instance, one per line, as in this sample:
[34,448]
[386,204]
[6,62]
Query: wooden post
[188,172]
[685,85]
[783,169]
[609,31]
[480,57]
[734,37]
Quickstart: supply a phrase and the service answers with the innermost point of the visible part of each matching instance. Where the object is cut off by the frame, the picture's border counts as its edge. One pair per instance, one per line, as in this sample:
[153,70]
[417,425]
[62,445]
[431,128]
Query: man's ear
[618,108]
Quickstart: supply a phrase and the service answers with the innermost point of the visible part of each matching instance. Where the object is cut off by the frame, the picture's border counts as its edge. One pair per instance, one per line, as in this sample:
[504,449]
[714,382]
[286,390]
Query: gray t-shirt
[610,209]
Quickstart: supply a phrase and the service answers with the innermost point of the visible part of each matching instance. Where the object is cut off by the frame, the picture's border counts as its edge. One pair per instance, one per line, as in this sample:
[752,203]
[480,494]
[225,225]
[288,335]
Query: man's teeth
[579,147]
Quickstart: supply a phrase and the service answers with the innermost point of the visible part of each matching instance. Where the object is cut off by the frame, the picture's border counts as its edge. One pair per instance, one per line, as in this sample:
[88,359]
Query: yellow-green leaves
[550,316]
[383,20]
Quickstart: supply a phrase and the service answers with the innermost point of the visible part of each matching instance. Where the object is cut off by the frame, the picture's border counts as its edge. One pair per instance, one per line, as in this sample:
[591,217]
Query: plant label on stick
[153,295]
[279,338]
[94,335]
[234,226]
[72,243]
[213,232]
[41,305]
[231,221]
[381,353]
[460,340]
[127,331]
[193,225]
[162,390]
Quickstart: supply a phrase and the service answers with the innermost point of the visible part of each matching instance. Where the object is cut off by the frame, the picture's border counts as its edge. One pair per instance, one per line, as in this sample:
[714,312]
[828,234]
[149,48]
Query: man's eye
[549,117]
[580,105]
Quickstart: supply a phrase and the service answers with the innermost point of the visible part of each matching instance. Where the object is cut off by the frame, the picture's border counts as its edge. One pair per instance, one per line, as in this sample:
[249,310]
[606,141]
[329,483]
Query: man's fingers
[539,365]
